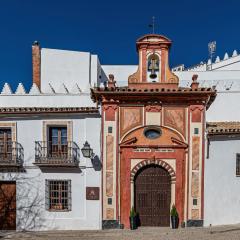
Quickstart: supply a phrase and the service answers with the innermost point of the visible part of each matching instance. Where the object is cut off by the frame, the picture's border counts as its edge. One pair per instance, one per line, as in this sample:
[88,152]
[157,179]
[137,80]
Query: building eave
[6,111]
[128,94]
[223,128]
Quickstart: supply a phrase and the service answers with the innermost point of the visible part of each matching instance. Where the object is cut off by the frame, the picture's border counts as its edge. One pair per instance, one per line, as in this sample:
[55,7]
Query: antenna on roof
[211,50]
[152,25]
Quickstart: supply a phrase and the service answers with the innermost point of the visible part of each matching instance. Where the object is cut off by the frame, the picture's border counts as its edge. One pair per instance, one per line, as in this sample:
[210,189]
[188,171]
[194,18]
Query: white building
[43,171]
[222,183]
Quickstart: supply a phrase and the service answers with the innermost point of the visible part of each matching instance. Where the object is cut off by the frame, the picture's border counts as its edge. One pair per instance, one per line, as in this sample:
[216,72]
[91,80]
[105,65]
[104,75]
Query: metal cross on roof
[152,25]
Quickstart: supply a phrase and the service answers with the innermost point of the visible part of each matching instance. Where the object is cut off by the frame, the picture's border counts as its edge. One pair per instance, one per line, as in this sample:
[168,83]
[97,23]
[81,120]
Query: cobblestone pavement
[219,233]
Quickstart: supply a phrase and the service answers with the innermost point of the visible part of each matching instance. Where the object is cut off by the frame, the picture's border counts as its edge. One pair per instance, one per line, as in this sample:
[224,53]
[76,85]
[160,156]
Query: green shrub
[174,212]
[132,212]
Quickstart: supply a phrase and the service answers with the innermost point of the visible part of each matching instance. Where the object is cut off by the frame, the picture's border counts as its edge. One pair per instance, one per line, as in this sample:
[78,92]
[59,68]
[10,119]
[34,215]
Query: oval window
[152,133]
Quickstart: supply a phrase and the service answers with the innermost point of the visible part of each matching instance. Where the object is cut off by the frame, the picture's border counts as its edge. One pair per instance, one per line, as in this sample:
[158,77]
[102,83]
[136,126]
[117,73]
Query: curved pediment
[154,38]
[167,137]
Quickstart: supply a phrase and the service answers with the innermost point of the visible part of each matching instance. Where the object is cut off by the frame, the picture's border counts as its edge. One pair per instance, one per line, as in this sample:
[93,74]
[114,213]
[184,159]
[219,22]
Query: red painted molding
[194,107]
[110,112]
[153,108]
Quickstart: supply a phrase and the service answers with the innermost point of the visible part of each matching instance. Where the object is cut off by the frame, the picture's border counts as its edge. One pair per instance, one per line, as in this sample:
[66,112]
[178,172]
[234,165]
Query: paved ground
[218,233]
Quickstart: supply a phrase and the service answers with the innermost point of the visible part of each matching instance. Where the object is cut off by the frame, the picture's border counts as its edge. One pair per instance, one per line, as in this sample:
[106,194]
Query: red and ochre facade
[159,103]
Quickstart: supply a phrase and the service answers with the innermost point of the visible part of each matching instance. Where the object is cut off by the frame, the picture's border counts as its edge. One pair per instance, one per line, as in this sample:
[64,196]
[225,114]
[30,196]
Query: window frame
[58,148]
[238,164]
[49,200]
[6,143]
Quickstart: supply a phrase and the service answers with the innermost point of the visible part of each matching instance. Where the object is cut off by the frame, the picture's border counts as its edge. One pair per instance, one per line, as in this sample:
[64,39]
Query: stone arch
[158,162]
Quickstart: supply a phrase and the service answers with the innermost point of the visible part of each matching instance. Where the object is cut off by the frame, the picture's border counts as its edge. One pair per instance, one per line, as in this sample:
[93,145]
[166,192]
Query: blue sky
[110,29]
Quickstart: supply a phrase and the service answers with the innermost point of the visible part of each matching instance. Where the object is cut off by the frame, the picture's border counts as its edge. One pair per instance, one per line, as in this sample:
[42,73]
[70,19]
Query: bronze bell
[153,67]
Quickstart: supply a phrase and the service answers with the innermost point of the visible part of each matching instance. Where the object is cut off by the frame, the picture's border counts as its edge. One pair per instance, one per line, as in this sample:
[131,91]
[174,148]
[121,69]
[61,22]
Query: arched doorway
[152,196]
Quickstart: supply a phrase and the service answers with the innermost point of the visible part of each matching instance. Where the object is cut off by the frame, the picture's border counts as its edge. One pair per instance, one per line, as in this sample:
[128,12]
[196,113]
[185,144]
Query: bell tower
[153,50]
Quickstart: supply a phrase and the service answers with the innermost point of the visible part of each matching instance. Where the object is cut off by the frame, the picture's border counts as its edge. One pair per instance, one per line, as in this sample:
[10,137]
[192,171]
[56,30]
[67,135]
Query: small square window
[58,195]
[109,129]
[238,164]
[195,202]
[109,201]
[196,130]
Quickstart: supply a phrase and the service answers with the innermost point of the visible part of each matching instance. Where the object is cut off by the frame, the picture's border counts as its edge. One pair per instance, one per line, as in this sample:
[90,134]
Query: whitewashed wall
[47,100]
[69,68]
[120,72]
[222,187]
[225,107]
[85,214]
[66,78]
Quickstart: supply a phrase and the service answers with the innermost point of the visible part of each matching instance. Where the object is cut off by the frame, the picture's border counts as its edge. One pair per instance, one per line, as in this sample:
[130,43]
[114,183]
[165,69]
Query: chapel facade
[153,142]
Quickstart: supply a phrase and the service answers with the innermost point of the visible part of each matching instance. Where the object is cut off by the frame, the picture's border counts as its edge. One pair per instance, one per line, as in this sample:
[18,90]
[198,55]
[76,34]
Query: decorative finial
[194,77]
[152,25]
[111,78]
[111,81]
[195,83]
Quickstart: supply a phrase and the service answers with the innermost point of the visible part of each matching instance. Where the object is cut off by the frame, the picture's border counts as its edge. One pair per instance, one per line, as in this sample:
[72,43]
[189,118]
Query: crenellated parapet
[34,90]
[216,63]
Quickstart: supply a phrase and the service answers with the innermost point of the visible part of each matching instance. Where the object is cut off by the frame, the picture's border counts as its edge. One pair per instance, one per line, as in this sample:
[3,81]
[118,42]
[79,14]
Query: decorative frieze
[195,214]
[153,108]
[109,213]
[175,118]
[142,150]
[130,117]
[48,110]
[109,184]
[195,153]
[109,153]
[195,184]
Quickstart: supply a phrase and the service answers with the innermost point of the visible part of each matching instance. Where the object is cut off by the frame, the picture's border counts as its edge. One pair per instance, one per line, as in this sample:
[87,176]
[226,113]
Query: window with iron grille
[58,195]
[238,164]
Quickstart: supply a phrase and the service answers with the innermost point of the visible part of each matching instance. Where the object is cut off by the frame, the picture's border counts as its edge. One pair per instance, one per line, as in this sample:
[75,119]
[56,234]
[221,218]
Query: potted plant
[174,217]
[133,219]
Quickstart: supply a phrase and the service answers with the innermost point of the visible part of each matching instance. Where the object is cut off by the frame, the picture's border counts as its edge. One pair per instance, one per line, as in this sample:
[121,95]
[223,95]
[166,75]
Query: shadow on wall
[30,205]
[96,162]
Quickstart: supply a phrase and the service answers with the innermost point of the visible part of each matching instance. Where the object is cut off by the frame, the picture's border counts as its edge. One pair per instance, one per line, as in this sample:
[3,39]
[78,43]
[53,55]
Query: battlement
[34,90]
[218,63]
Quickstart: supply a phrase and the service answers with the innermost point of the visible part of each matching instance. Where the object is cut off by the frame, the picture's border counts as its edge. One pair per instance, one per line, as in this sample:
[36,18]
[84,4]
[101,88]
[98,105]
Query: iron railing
[54,154]
[11,154]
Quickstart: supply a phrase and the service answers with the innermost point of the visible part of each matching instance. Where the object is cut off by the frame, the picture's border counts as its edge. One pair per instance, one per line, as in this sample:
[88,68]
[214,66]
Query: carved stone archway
[156,162]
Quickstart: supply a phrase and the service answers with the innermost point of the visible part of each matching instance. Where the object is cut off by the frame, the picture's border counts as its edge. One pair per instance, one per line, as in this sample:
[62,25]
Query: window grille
[238,164]
[58,195]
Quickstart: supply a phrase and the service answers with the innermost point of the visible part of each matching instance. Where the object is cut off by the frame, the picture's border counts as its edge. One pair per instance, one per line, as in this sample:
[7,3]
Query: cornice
[48,110]
[198,96]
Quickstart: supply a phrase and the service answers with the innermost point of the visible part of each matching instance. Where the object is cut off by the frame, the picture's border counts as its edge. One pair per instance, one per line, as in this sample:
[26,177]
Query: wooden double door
[7,205]
[153,196]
